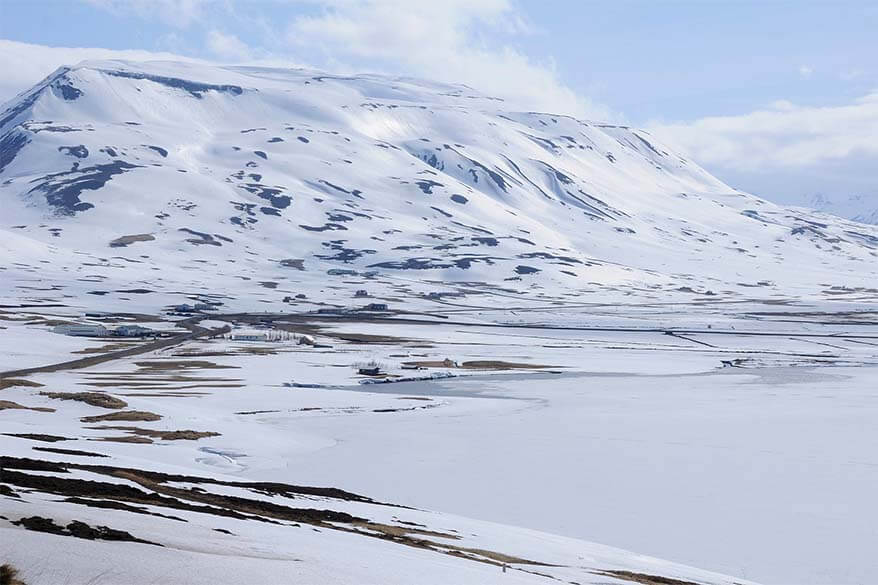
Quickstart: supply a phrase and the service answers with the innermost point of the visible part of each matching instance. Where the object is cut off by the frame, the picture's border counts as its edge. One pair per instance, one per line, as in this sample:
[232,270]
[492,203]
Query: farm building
[132,331]
[81,330]
[375,307]
[187,308]
[249,337]
[361,293]
[436,295]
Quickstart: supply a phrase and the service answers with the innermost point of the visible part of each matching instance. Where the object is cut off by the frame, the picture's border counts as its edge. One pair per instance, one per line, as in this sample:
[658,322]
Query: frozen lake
[770,475]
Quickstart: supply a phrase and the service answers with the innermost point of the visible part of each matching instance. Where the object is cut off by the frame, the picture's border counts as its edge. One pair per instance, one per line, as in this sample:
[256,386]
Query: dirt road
[195,332]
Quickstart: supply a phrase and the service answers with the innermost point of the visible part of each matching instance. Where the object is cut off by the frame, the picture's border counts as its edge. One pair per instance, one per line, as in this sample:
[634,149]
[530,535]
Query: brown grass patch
[402,531]
[123,241]
[111,384]
[125,439]
[91,398]
[9,405]
[135,378]
[168,394]
[431,364]
[643,578]
[367,338]
[9,575]
[498,557]
[479,365]
[187,435]
[164,366]
[123,415]
[12,382]
[75,452]
[105,348]
[256,350]
[77,529]
[501,365]
[38,437]
[164,386]
[203,354]
[153,489]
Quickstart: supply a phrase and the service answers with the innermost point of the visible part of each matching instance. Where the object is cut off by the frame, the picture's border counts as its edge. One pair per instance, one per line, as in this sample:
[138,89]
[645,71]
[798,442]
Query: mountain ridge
[288,174]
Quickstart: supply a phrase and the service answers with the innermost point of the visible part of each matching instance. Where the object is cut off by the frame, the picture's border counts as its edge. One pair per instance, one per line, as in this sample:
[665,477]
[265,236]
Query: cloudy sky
[777,98]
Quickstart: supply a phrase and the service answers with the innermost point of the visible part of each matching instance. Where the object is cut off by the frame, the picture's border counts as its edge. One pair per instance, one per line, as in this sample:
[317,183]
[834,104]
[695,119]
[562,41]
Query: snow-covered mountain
[860,208]
[167,176]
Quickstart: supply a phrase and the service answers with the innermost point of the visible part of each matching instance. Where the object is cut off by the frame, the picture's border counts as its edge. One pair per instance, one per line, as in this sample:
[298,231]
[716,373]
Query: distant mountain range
[860,208]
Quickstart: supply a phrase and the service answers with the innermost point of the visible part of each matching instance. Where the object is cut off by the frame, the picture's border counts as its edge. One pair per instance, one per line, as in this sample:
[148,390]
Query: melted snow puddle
[223,458]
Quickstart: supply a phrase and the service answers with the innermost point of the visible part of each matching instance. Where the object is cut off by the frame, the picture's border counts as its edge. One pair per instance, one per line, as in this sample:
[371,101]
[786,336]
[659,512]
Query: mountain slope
[161,175]
[859,208]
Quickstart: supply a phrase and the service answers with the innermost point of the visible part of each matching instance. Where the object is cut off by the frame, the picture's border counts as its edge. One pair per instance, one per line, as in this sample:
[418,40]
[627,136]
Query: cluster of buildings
[249,337]
[194,308]
[96,330]
[370,308]
[437,295]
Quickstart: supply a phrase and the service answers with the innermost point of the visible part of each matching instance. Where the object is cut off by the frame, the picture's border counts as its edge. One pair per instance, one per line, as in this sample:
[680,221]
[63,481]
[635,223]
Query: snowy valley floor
[633,438]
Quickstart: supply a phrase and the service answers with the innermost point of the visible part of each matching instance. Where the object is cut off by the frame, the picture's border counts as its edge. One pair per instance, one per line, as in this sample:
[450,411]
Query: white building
[81,330]
[249,337]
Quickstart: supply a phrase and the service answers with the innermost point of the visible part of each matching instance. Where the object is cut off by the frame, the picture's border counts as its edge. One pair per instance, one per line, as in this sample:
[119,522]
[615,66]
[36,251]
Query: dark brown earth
[77,529]
[186,435]
[75,452]
[123,415]
[12,382]
[643,578]
[91,398]
[9,405]
[38,437]
[153,489]
[9,575]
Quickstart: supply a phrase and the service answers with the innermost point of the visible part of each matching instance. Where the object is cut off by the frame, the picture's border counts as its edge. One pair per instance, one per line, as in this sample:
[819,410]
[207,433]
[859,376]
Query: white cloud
[805,72]
[227,46]
[784,136]
[850,74]
[24,64]
[176,13]
[440,41]
[452,40]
